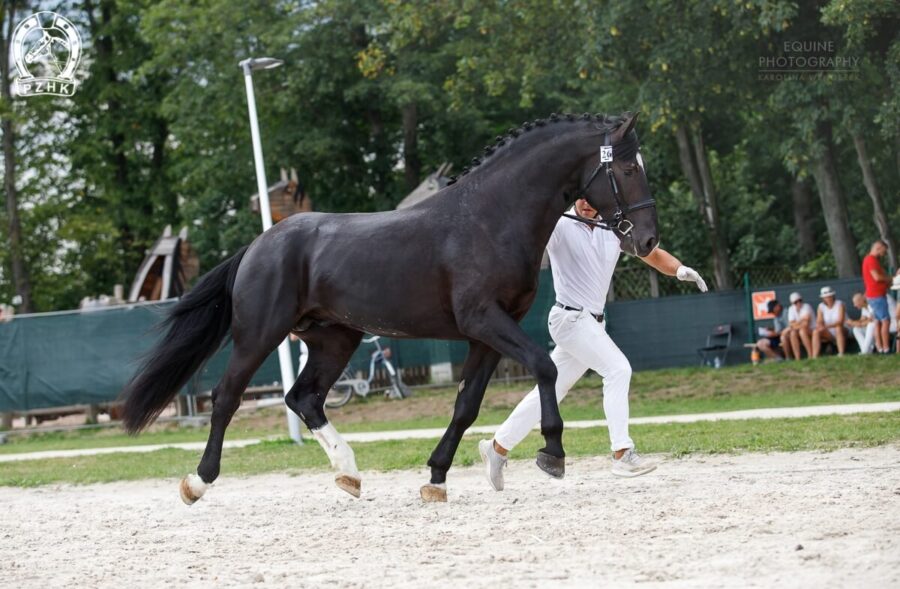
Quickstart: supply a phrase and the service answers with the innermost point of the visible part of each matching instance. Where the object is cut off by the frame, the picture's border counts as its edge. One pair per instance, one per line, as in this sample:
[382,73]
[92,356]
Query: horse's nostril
[651,243]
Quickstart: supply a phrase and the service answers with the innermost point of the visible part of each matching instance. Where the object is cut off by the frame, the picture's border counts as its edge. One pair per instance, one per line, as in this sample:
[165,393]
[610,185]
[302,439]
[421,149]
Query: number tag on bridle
[606,154]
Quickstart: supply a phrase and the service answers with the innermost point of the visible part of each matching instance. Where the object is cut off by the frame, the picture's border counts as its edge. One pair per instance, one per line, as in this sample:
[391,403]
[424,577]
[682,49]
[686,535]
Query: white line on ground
[410,434]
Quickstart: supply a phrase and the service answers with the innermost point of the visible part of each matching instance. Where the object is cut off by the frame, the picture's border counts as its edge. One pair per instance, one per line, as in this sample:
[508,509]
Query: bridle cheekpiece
[620,221]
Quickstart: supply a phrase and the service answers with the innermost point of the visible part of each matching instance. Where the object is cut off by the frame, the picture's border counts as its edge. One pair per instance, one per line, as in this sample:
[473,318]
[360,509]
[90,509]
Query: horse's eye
[631,169]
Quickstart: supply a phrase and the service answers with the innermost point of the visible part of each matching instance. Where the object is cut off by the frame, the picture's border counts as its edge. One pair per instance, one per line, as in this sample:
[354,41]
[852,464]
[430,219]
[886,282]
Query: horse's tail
[194,330]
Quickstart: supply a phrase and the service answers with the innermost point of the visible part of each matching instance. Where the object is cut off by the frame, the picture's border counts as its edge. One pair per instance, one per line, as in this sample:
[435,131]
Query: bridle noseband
[620,221]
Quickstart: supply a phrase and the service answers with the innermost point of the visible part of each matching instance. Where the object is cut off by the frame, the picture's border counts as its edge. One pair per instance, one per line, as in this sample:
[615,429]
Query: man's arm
[665,263]
[879,275]
[876,271]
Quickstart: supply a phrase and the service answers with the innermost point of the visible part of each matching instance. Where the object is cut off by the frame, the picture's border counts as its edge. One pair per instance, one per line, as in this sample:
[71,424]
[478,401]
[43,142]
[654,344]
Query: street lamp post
[284,349]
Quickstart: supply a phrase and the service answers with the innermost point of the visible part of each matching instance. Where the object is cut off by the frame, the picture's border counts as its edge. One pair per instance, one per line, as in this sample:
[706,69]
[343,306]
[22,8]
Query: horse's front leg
[497,329]
[480,365]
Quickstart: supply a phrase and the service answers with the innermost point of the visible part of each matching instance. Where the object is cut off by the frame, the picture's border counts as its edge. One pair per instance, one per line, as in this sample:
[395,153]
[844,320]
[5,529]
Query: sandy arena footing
[768,520]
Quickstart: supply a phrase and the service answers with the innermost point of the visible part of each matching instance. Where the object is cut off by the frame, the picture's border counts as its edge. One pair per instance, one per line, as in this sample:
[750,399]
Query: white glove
[686,274]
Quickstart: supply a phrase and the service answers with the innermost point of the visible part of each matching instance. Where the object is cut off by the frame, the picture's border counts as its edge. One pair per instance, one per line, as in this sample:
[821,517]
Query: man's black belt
[598,317]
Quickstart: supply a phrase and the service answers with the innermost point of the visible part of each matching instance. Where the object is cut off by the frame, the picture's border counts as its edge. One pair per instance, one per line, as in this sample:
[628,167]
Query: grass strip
[755,435]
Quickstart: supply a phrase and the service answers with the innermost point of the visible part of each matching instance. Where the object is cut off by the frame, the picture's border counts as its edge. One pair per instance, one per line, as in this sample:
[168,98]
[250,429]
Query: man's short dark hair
[771,305]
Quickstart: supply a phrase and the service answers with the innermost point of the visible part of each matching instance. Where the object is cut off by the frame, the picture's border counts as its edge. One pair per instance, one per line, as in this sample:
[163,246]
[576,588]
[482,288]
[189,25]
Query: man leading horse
[582,260]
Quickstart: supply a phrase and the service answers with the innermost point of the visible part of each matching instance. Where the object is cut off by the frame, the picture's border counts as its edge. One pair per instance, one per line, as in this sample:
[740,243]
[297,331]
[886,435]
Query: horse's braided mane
[607,123]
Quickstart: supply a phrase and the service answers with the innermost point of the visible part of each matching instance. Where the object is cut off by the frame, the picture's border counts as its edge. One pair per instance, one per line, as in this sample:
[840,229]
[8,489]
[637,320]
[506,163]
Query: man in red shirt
[877,282]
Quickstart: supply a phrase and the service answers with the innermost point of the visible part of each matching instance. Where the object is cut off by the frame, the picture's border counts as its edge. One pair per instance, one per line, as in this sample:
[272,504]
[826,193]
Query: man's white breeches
[581,343]
[865,337]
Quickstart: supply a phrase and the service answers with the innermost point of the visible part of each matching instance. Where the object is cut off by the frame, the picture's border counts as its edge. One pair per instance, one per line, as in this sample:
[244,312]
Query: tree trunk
[412,165]
[804,216]
[722,266]
[21,279]
[105,51]
[167,199]
[834,205]
[881,219]
[696,168]
[381,167]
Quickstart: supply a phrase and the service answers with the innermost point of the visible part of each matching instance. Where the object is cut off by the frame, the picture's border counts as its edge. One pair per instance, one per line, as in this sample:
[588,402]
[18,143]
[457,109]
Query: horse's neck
[524,195]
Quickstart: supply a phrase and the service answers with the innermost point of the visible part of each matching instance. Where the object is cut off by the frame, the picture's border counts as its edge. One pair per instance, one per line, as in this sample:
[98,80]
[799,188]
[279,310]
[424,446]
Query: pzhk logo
[46,51]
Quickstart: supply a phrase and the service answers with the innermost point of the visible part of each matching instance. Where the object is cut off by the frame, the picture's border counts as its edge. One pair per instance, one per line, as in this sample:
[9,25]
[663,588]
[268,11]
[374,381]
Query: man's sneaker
[493,463]
[632,464]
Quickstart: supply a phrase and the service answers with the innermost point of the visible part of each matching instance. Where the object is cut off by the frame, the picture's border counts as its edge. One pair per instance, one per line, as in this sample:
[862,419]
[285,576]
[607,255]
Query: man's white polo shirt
[582,261]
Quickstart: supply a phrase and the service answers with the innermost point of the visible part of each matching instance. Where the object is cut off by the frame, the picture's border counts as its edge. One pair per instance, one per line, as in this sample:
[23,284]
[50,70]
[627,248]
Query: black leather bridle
[620,221]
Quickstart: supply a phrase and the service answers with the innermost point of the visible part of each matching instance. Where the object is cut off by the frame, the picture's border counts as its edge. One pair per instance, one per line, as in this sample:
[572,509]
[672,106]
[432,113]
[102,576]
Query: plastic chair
[715,352]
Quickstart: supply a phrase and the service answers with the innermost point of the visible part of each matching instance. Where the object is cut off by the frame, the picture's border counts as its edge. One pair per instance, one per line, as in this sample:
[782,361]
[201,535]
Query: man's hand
[686,274]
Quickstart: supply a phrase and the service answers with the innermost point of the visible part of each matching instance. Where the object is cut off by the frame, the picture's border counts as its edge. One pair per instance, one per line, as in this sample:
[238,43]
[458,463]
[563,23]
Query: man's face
[584,208]
[829,301]
[798,304]
[777,310]
[879,249]
[859,302]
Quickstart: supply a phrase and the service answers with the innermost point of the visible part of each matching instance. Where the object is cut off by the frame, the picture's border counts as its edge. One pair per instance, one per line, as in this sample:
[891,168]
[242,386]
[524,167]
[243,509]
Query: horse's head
[615,183]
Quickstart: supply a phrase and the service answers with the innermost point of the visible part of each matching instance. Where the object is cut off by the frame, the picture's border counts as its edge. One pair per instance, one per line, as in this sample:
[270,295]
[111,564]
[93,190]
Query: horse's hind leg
[226,398]
[480,365]
[330,348]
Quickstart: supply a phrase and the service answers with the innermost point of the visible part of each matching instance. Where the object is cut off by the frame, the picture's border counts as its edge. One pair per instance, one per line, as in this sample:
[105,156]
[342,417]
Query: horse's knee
[545,370]
[464,419]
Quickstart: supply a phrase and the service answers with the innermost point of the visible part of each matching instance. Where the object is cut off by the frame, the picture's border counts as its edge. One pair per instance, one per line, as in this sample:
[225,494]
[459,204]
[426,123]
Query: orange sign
[760,304]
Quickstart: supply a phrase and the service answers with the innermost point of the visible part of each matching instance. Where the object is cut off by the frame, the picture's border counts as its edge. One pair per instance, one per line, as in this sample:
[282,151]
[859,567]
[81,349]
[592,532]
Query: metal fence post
[748,301]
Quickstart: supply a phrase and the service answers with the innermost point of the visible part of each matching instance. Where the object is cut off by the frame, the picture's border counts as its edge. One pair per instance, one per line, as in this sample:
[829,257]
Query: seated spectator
[770,345]
[864,327]
[801,323]
[830,318]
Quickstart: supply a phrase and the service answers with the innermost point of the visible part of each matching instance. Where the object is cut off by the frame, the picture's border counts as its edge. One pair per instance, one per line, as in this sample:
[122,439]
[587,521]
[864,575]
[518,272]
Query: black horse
[463,265]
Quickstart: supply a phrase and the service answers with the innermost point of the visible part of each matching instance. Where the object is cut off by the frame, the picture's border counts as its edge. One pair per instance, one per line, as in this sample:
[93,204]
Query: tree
[21,278]
[870,30]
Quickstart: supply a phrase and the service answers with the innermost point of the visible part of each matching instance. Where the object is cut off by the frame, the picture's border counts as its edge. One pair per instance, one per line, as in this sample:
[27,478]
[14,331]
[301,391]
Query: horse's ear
[626,127]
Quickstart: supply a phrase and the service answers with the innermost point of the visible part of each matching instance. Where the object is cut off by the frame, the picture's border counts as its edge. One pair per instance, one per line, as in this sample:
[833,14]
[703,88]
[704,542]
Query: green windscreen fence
[58,359]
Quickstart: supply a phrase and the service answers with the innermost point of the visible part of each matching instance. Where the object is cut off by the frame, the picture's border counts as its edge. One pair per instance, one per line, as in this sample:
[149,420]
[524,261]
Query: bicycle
[346,386]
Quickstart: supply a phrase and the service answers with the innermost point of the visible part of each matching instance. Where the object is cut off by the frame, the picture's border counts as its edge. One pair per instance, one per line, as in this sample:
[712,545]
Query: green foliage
[158,134]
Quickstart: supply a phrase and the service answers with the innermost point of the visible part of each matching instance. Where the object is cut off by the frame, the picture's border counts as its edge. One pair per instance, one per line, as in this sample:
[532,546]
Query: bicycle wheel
[340,392]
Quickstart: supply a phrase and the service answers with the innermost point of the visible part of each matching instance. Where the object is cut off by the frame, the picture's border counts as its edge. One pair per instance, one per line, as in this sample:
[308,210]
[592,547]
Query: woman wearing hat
[801,325]
[829,323]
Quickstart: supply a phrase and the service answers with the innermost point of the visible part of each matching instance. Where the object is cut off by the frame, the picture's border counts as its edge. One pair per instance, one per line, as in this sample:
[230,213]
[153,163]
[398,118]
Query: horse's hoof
[348,483]
[434,493]
[191,489]
[555,467]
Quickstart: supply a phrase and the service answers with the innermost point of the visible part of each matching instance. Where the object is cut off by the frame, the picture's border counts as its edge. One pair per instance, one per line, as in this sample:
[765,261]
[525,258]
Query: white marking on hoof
[348,483]
[434,493]
[192,488]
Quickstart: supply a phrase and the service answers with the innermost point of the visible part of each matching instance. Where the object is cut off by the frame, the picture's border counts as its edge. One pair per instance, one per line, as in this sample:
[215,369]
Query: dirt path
[801,519]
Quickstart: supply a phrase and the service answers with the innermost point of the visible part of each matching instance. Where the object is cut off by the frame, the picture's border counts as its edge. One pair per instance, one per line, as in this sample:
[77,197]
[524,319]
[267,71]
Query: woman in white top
[829,323]
[801,325]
